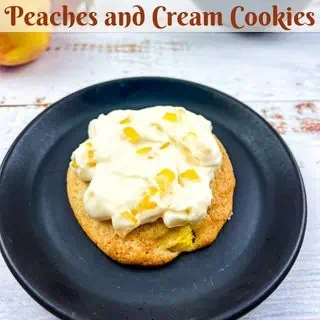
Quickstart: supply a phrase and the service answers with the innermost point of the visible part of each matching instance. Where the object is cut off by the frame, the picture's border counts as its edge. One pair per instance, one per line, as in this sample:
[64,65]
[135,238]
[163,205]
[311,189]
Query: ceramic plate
[58,265]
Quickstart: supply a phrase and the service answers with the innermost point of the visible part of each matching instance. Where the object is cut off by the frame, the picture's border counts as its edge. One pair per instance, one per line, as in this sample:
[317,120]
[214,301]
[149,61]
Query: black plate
[61,268]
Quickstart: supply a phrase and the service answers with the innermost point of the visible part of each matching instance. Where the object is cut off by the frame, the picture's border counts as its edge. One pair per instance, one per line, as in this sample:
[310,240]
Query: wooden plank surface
[275,67]
[277,75]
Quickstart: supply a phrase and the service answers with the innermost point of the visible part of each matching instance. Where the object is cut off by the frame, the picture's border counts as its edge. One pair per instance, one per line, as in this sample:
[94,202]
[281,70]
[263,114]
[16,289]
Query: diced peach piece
[165,145]
[91,154]
[144,150]
[74,164]
[164,179]
[129,216]
[145,204]
[152,190]
[190,174]
[170,116]
[91,162]
[89,144]
[131,134]
[126,121]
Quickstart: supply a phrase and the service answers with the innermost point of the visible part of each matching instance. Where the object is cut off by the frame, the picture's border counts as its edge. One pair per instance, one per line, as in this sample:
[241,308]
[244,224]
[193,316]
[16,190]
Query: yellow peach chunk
[165,145]
[131,134]
[164,179]
[91,162]
[180,240]
[129,216]
[190,174]
[126,121]
[152,190]
[167,173]
[74,164]
[170,116]
[90,154]
[145,204]
[144,150]
[89,144]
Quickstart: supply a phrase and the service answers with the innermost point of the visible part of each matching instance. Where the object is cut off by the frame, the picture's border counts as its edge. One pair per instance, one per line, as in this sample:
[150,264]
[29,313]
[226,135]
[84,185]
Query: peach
[17,48]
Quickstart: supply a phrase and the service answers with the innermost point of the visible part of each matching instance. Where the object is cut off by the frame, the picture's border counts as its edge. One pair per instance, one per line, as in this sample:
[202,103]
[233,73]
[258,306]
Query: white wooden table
[277,75]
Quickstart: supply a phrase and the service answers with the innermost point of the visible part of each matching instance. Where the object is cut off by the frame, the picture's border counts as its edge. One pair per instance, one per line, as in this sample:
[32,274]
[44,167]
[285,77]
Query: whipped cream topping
[147,164]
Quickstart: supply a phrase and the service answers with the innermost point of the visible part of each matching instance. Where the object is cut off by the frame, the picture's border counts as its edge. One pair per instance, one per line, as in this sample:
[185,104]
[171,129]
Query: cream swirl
[147,164]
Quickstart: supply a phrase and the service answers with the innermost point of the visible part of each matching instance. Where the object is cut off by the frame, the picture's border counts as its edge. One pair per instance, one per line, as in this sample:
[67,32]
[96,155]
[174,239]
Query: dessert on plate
[150,184]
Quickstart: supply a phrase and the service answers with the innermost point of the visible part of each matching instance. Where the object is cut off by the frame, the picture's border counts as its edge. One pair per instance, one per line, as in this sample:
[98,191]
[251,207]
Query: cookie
[154,244]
